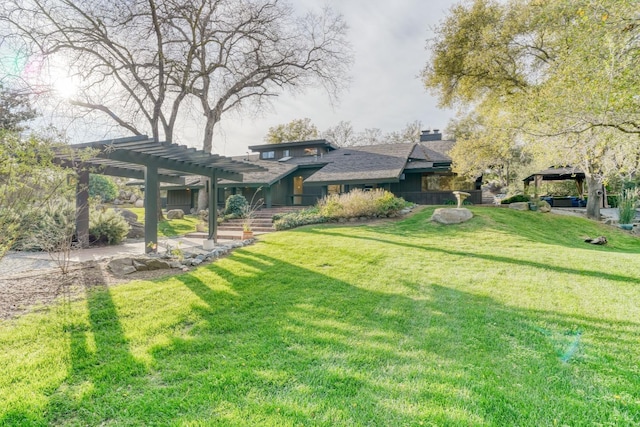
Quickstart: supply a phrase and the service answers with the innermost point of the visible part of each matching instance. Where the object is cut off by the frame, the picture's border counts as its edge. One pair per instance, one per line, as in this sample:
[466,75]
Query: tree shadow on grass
[297,346]
[427,247]
[100,363]
[548,229]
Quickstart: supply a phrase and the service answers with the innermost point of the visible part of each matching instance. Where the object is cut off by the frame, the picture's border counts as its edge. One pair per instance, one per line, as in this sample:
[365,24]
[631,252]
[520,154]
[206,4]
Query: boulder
[155,264]
[136,230]
[519,206]
[139,203]
[133,198]
[451,215]
[544,206]
[130,216]
[121,266]
[175,214]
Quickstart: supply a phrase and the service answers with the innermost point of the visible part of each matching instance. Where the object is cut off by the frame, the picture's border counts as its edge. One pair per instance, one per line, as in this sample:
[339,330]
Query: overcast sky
[388,39]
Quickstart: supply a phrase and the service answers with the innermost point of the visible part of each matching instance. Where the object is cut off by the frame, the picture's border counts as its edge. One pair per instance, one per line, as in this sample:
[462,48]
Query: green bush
[235,205]
[627,207]
[107,227]
[102,187]
[297,219]
[515,199]
[45,227]
[360,203]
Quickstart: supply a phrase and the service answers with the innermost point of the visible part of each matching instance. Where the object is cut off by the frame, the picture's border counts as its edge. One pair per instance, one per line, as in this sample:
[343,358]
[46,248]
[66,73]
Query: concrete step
[240,228]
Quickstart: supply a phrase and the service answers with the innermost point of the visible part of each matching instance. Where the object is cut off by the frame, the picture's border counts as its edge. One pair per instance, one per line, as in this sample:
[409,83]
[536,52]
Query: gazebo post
[82,208]
[151,207]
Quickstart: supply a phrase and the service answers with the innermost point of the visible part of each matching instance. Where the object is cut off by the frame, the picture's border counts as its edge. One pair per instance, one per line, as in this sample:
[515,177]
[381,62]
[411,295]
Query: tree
[15,110]
[295,130]
[341,134]
[410,133]
[559,75]
[140,62]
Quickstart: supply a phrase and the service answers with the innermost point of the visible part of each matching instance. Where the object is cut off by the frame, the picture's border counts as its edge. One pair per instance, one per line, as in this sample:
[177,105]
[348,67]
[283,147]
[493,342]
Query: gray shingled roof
[367,164]
[273,171]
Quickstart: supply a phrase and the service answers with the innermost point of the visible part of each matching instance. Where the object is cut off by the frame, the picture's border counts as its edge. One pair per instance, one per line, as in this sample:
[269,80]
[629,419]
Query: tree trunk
[594,200]
[203,197]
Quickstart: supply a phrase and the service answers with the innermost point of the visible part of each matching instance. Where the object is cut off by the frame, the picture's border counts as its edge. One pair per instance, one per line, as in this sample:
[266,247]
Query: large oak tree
[561,74]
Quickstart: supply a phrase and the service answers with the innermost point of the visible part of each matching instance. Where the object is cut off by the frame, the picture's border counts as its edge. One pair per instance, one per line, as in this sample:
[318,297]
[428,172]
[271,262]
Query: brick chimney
[428,135]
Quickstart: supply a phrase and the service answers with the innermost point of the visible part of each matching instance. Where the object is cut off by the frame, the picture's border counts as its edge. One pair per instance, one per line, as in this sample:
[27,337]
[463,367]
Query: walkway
[20,262]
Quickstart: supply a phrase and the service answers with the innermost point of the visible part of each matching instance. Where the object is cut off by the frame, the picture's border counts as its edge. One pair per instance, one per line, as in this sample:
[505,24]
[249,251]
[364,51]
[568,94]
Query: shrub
[235,205]
[107,227]
[102,187]
[46,228]
[359,203]
[297,219]
[515,199]
[627,207]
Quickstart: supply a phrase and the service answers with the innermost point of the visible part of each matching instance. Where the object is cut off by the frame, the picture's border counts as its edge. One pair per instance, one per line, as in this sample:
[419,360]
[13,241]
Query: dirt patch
[36,290]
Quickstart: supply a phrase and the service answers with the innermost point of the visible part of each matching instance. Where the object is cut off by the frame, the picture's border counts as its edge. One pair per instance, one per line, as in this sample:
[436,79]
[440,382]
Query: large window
[437,182]
[286,153]
[268,154]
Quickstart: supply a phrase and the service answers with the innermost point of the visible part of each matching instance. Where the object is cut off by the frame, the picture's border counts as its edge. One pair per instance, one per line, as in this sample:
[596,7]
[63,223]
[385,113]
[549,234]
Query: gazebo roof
[128,157]
[557,174]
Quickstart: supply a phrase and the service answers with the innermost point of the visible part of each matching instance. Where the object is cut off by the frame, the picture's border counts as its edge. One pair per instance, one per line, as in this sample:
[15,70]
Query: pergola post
[82,208]
[151,207]
[213,208]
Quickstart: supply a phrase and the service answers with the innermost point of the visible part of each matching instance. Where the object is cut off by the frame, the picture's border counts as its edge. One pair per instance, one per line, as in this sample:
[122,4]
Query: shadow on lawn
[296,346]
[293,345]
[549,229]
[99,360]
[427,247]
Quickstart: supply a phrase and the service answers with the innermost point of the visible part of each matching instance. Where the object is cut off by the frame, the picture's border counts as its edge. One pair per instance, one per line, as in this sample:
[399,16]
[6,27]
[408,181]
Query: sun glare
[64,86]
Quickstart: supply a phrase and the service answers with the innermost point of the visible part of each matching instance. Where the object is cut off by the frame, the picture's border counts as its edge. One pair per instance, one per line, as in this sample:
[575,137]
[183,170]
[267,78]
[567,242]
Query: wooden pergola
[556,174]
[142,157]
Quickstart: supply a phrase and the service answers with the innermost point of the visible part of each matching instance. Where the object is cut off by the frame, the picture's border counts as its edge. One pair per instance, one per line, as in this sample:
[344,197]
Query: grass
[507,320]
[171,228]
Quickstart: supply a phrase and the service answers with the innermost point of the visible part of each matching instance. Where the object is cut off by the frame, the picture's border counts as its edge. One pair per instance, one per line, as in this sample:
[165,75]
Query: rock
[196,261]
[158,264]
[139,203]
[140,266]
[451,215]
[175,264]
[136,230]
[133,198]
[117,202]
[519,206]
[544,206]
[600,240]
[405,211]
[130,216]
[175,214]
[121,266]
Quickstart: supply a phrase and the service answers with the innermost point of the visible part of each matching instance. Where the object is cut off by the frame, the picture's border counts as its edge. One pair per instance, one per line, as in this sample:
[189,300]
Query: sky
[389,44]
[388,40]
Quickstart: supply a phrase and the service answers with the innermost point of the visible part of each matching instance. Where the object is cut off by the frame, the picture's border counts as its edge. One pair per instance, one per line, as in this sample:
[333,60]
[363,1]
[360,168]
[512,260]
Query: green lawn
[507,320]
[171,228]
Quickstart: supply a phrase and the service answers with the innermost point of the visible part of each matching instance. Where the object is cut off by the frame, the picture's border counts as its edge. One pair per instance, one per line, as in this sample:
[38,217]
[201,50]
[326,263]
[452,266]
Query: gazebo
[556,174]
[142,157]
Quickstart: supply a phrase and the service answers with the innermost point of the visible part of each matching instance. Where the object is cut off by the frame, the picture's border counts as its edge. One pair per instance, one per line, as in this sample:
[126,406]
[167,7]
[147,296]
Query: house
[300,173]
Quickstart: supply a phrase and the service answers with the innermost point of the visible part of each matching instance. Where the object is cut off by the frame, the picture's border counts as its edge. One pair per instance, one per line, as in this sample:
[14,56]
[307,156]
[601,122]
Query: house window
[268,154]
[436,182]
[311,151]
[335,189]
[286,153]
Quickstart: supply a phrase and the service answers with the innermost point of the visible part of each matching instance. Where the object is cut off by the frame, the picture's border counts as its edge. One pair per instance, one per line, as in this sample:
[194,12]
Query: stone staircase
[262,223]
